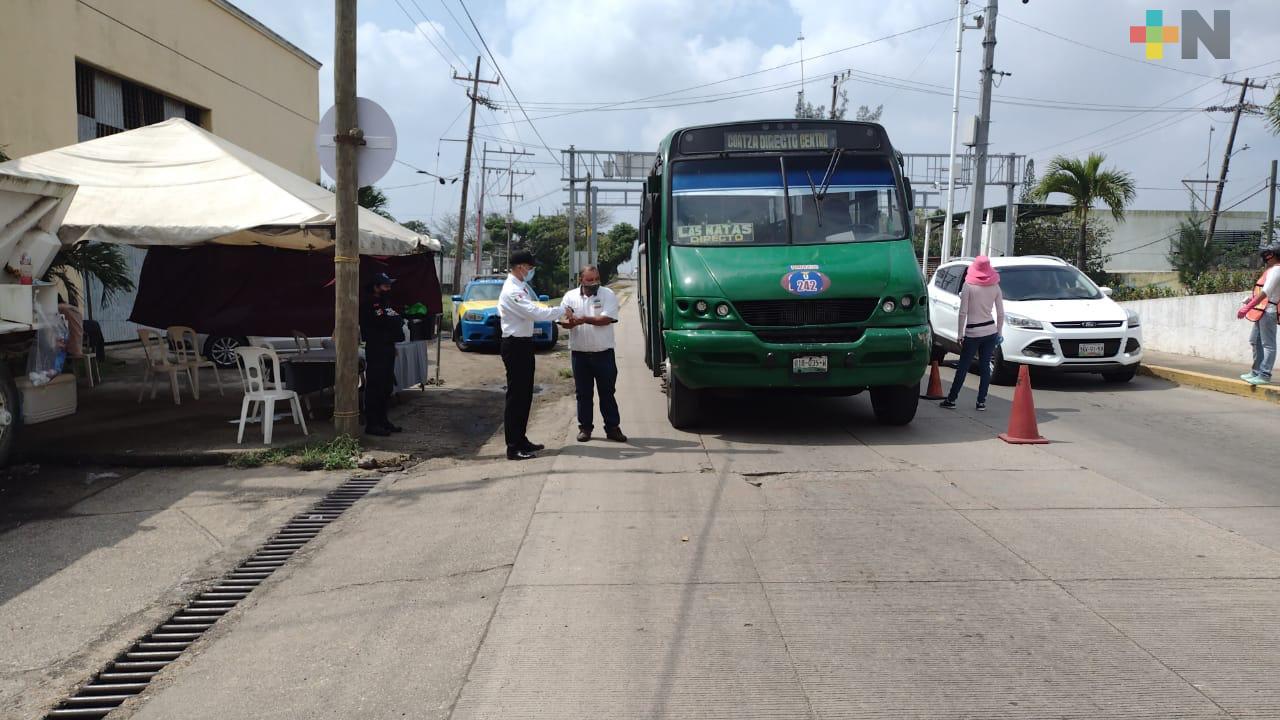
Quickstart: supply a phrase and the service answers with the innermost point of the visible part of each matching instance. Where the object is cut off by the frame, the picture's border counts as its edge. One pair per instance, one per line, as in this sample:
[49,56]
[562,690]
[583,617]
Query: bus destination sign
[780,140]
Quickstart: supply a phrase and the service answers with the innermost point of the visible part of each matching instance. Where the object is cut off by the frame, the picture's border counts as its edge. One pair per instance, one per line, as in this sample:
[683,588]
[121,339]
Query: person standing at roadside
[518,312]
[381,328]
[1266,293]
[981,322]
[595,368]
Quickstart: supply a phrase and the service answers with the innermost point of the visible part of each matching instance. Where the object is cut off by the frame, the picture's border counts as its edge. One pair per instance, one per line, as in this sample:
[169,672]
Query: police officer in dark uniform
[381,327]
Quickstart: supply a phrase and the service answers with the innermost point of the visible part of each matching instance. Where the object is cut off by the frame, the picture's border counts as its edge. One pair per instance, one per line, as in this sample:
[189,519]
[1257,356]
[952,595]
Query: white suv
[1055,317]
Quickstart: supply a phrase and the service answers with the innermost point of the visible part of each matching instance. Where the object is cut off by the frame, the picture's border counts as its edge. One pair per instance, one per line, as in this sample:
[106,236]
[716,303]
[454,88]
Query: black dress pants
[517,356]
[380,378]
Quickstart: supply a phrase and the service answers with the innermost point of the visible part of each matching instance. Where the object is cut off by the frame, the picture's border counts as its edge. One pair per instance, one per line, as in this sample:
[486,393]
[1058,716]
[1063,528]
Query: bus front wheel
[895,404]
[682,402]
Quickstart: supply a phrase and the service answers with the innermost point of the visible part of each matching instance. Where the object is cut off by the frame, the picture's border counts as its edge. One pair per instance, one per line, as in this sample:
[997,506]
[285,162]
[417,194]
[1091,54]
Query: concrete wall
[1141,243]
[261,92]
[1199,325]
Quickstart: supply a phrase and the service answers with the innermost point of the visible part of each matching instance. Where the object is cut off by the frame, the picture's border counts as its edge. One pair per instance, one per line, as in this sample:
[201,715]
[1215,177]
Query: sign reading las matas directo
[715,234]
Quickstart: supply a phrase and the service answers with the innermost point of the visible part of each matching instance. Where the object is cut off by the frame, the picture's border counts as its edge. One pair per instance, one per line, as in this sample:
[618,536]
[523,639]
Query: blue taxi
[476,323]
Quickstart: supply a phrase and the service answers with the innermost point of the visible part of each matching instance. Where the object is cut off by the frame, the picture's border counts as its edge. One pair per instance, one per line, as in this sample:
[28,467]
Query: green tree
[1273,113]
[1059,236]
[371,198]
[1028,183]
[1086,183]
[103,262]
[615,248]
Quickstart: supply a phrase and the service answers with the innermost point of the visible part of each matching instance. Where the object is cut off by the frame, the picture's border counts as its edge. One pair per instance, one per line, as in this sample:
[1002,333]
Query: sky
[576,68]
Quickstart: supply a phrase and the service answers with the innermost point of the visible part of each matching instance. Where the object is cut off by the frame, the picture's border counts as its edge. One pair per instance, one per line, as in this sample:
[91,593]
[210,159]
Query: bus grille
[789,313]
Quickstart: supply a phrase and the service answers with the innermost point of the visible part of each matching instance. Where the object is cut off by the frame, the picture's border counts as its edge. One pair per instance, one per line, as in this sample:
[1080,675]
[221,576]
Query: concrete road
[791,560]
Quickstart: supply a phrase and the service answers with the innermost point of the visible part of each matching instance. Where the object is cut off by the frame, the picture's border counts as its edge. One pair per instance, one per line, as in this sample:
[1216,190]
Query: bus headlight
[701,307]
[889,306]
[722,310]
[906,302]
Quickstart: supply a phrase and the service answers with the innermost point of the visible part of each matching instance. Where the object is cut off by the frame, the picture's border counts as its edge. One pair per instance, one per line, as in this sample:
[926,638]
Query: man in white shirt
[593,309]
[1263,335]
[518,310]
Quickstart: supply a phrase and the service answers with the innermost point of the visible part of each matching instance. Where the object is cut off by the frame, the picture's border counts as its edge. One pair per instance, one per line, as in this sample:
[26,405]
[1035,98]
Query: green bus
[777,254]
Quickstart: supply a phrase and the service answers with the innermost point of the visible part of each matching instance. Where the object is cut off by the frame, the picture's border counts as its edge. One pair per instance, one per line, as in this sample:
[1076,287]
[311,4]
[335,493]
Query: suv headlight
[1134,320]
[473,316]
[1020,322]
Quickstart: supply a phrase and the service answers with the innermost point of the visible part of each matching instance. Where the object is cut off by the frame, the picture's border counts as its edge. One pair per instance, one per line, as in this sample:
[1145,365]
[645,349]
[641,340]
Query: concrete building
[75,70]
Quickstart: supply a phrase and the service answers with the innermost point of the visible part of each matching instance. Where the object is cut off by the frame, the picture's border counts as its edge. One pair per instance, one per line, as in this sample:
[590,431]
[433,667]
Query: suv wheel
[457,338]
[1121,376]
[1003,372]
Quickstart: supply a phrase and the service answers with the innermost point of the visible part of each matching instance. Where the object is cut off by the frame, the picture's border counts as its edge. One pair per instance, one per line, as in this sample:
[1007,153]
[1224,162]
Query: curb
[1231,386]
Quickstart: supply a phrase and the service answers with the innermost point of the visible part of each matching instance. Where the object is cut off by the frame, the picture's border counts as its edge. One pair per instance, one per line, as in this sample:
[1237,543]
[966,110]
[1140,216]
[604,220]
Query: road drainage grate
[129,674]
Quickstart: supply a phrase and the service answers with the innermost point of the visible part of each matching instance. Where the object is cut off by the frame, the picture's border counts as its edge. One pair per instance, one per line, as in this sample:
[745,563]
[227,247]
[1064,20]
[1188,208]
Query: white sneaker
[1248,376]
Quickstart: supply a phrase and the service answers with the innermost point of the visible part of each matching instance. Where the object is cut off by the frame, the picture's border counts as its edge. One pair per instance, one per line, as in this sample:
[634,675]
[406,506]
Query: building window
[107,104]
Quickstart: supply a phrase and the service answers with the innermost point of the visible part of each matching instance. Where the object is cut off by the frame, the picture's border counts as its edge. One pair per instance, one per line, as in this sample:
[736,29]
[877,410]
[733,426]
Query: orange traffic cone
[935,383]
[1022,421]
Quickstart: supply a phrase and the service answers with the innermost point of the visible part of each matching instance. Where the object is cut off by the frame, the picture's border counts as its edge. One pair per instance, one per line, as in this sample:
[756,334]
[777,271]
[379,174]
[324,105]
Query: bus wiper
[817,199]
[831,171]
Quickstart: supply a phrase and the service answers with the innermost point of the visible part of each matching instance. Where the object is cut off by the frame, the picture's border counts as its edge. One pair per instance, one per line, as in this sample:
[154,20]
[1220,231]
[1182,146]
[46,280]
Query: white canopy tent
[175,184]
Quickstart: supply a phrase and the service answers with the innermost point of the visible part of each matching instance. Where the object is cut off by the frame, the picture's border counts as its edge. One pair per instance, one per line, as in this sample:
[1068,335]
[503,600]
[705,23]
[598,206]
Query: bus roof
[777,135]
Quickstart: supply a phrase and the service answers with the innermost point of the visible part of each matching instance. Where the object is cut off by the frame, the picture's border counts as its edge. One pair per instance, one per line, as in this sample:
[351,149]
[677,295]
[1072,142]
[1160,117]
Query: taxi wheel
[895,404]
[457,340]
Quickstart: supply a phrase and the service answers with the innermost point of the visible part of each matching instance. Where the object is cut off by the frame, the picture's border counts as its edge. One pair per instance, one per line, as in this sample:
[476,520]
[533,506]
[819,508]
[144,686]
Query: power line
[507,82]
[1128,58]
[192,60]
[418,27]
[439,34]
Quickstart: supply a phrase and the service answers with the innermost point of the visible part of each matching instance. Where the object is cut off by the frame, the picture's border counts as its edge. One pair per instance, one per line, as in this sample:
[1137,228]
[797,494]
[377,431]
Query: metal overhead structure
[609,178]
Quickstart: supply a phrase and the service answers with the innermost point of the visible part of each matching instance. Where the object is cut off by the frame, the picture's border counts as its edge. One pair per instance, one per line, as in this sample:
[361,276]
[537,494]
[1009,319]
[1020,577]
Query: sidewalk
[1206,374]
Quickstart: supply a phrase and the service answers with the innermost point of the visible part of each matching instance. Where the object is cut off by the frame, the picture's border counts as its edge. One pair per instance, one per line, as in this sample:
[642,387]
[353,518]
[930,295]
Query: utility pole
[484,175]
[973,228]
[835,85]
[511,196]
[573,209]
[508,169]
[591,217]
[346,251]
[945,253]
[1226,156]
[1271,207]
[466,170]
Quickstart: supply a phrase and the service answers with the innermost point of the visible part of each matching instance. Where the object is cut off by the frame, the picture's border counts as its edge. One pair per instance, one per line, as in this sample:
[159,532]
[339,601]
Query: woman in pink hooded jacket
[981,322]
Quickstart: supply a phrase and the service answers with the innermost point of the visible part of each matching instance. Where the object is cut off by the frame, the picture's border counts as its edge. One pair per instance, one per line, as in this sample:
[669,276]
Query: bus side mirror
[911,195]
[654,184]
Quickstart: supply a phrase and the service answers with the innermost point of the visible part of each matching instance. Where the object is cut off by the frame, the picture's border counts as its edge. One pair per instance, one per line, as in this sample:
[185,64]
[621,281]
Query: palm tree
[1086,183]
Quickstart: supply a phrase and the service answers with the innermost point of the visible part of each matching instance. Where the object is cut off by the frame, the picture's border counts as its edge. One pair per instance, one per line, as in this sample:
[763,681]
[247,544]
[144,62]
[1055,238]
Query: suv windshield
[745,201]
[485,291]
[1036,282]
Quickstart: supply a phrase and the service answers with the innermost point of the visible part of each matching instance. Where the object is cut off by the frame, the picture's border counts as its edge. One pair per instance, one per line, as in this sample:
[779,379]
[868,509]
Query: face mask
[589,289]
[528,277]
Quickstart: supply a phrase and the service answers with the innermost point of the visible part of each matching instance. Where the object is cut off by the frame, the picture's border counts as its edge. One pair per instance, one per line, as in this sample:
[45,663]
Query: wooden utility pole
[1226,156]
[466,170]
[1271,207]
[484,175]
[346,256]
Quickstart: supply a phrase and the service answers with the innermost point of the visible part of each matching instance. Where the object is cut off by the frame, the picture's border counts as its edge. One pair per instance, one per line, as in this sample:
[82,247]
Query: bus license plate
[809,364]
[1092,349]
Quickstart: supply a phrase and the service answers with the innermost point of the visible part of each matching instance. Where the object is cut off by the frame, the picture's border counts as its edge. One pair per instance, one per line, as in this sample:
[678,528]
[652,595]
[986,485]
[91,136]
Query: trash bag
[416,310]
[49,351]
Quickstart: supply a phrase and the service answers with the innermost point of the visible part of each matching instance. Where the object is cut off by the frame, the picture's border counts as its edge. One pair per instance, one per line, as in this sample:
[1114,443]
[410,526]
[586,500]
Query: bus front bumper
[739,359]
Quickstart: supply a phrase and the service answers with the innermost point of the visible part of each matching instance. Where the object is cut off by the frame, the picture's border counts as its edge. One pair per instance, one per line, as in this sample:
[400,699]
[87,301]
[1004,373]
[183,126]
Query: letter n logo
[1216,38]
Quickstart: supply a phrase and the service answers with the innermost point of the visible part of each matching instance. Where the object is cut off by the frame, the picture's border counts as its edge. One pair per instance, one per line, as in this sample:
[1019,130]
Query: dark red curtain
[231,290]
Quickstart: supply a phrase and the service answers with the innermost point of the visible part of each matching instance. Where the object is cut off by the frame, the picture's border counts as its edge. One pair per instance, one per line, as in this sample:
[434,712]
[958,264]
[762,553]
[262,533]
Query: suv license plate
[1093,349]
[809,364]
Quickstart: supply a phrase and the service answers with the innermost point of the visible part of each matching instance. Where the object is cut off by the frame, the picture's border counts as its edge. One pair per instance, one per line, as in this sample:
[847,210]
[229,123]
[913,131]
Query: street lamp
[442,180]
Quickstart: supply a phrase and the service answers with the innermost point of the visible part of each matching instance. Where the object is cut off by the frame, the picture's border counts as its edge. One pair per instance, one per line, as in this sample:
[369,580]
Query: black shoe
[584,435]
[948,404]
[378,431]
[615,434]
[520,455]
[534,447]
[393,428]
[981,406]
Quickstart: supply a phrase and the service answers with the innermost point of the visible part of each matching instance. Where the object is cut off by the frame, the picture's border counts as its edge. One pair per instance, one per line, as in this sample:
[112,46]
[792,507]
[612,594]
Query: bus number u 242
[777,254]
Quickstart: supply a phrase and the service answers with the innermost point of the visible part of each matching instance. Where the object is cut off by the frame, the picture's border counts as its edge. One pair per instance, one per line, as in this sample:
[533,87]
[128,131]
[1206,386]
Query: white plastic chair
[186,348]
[253,363]
[157,362]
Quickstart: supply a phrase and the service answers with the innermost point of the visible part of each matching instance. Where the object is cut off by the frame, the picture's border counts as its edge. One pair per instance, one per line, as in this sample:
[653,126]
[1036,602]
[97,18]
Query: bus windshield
[745,201]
